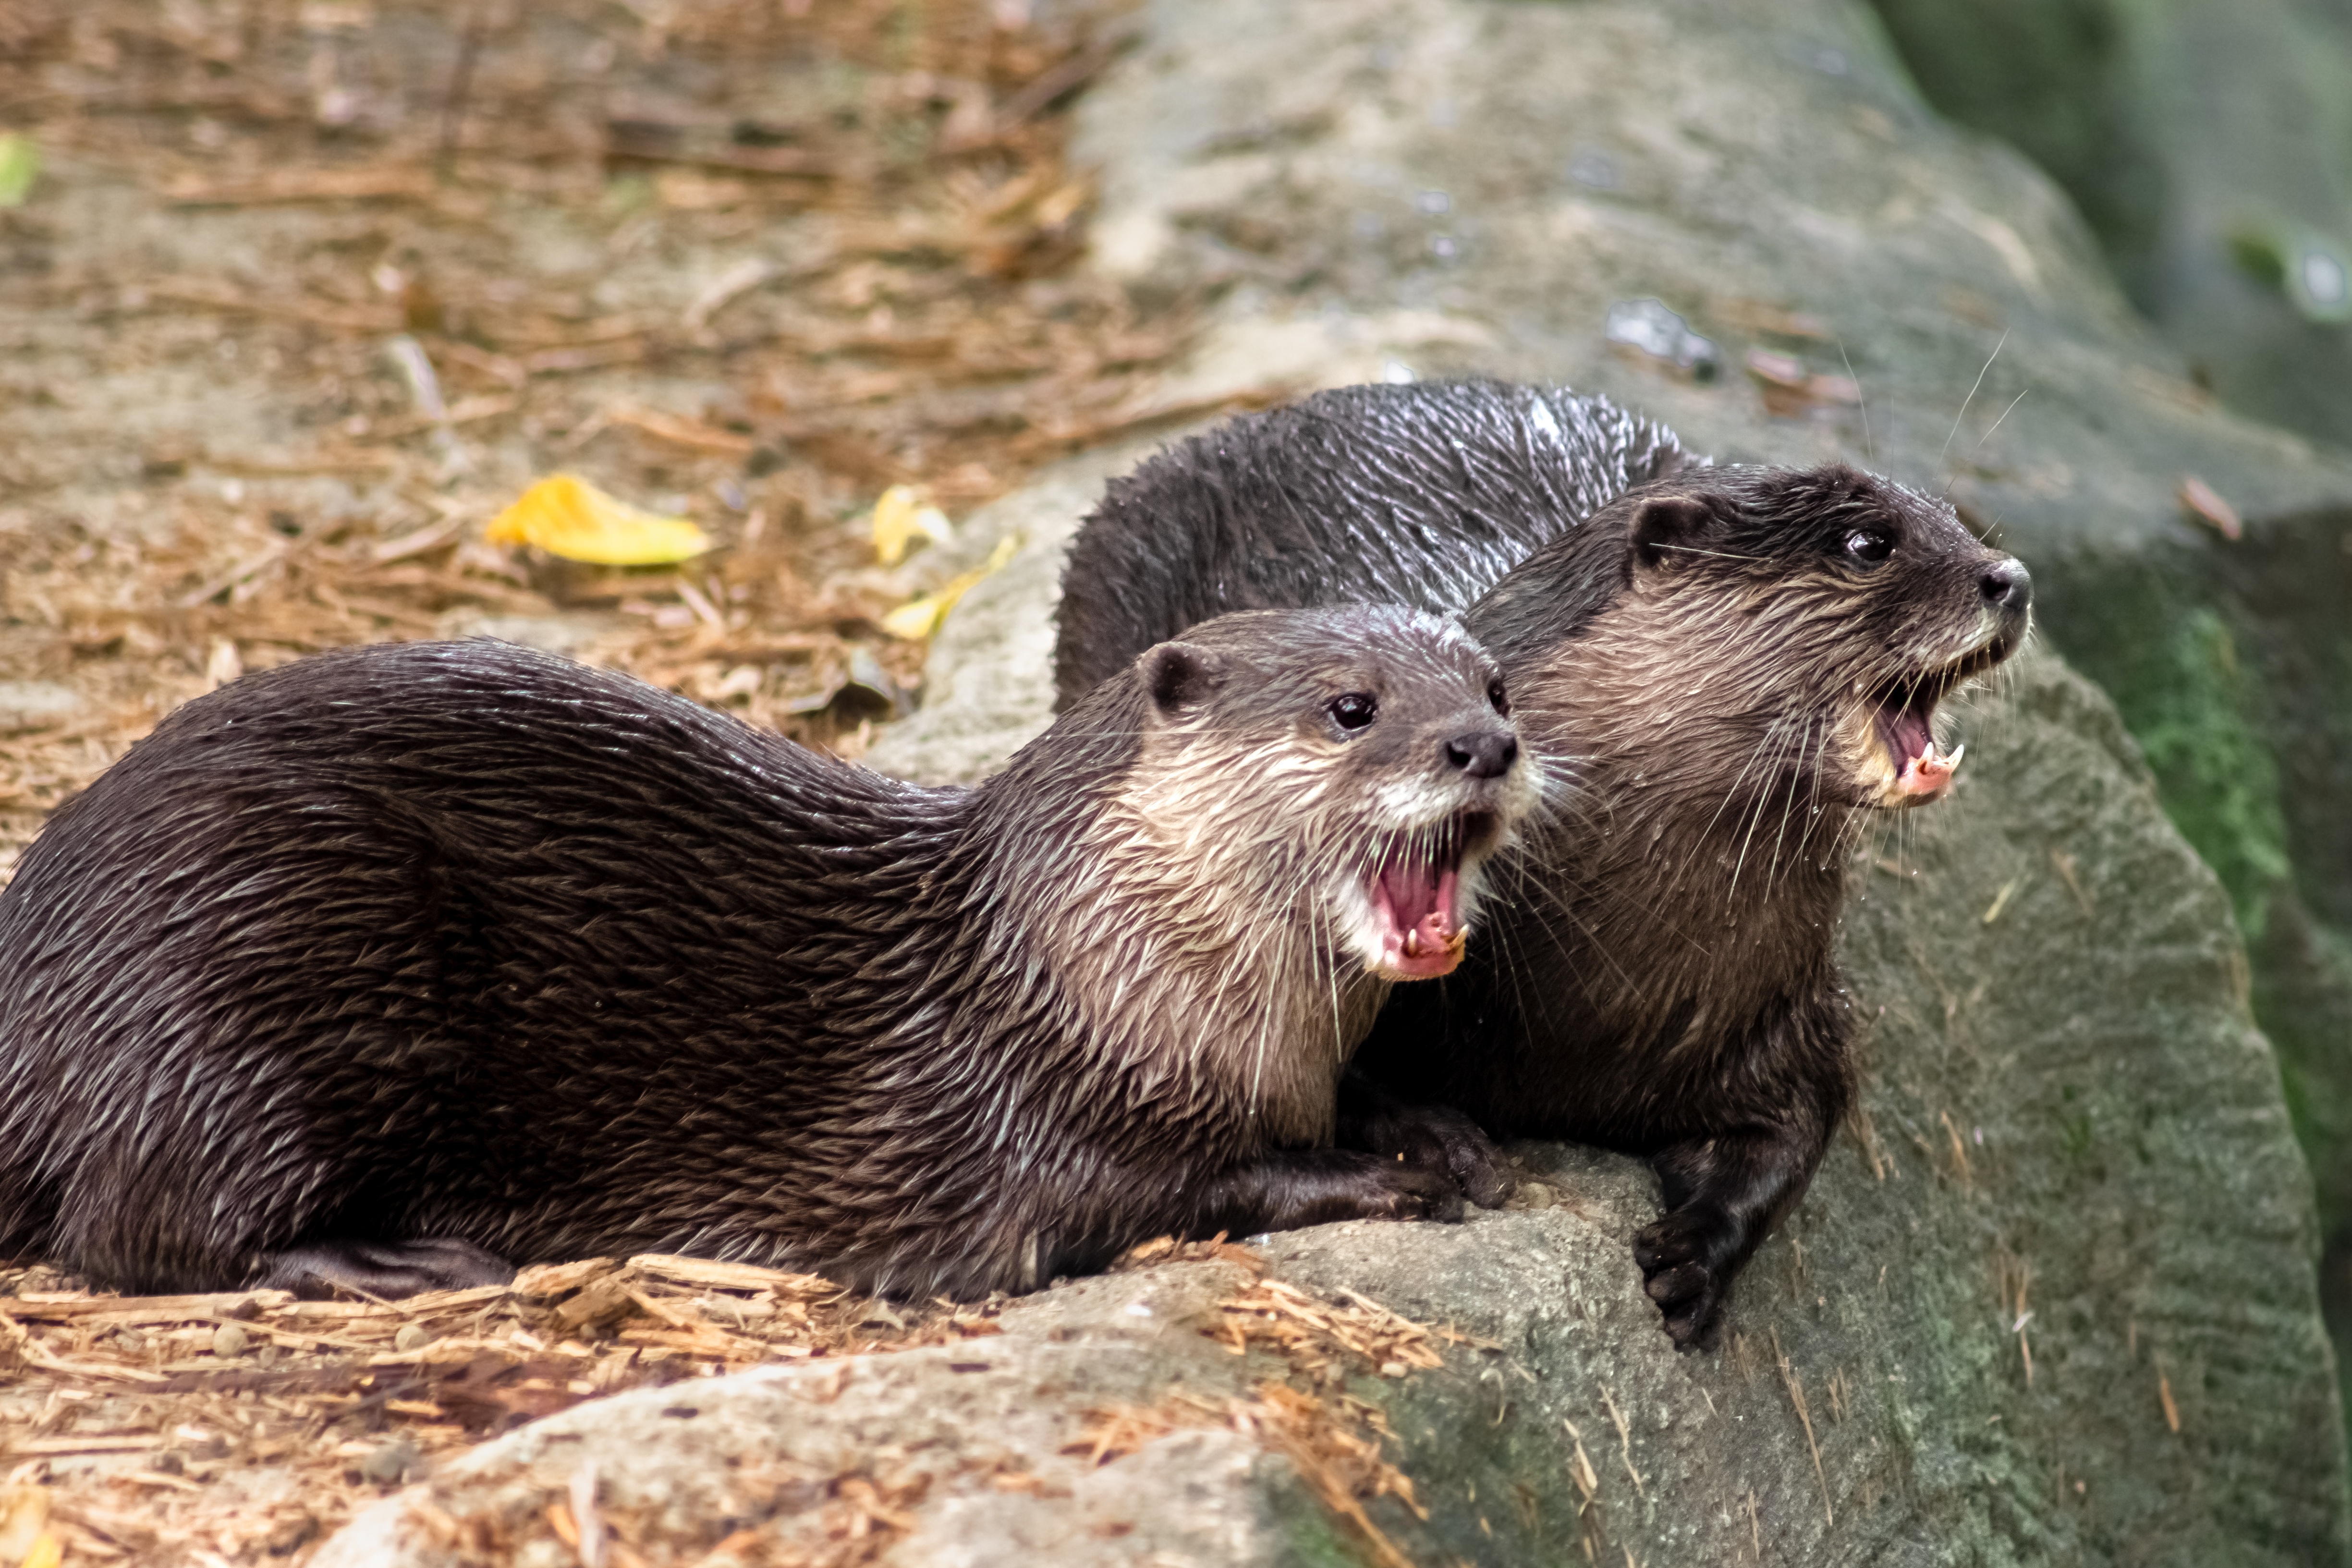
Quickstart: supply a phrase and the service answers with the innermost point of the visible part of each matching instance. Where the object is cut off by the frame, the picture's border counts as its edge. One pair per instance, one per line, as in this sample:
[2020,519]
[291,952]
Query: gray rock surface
[2210,144]
[2053,1299]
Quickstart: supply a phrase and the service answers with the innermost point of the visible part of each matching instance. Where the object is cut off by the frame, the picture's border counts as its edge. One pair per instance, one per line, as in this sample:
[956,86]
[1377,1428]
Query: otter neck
[1249,1004]
[1699,875]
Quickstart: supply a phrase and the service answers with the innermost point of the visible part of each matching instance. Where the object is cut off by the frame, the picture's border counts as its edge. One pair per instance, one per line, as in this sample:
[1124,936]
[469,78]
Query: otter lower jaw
[1903,721]
[1410,922]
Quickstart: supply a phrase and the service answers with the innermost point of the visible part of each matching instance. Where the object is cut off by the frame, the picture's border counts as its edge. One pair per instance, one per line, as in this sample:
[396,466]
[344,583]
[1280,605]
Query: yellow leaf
[20,165]
[920,618]
[564,515]
[904,512]
[25,1538]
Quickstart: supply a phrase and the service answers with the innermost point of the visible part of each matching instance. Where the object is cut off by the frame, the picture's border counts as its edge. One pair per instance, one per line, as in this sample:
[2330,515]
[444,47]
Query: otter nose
[1483,753]
[2007,585]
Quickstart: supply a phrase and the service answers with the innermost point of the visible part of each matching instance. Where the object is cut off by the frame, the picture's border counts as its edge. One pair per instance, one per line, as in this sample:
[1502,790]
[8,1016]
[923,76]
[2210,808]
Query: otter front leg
[1372,1119]
[1722,1195]
[1286,1188]
[388,1268]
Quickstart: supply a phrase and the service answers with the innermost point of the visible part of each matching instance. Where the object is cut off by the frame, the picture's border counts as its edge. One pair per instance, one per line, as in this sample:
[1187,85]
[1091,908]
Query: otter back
[1420,495]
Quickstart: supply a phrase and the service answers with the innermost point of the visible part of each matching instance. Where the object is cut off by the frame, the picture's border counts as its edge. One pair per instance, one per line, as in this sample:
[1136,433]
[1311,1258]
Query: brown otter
[398,967]
[1720,671]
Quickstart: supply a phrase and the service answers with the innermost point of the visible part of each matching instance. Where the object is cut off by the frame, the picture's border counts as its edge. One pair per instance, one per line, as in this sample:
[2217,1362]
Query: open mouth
[1904,716]
[1416,896]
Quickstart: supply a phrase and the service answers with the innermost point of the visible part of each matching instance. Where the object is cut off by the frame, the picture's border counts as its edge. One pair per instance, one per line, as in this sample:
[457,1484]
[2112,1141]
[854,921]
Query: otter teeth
[1930,772]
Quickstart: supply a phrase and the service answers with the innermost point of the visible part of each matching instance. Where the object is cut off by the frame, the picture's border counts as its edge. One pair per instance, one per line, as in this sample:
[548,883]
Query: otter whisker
[1947,452]
[1997,423]
[1869,454]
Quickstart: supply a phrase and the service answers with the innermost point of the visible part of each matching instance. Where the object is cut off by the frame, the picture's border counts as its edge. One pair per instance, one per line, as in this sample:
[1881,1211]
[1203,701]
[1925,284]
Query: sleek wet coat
[401,965]
[1700,659]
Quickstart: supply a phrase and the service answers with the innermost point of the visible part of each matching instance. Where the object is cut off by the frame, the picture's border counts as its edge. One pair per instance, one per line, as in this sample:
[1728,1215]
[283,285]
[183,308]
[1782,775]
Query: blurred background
[297,294]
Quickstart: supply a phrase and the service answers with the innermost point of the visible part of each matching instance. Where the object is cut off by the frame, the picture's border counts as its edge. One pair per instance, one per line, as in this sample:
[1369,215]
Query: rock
[2233,231]
[412,1336]
[392,1463]
[2216,218]
[229,1340]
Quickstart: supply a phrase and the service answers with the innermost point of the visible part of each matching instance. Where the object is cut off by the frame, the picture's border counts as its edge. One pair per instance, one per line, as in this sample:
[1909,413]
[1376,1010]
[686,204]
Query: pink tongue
[1910,734]
[1426,940]
[1925,770]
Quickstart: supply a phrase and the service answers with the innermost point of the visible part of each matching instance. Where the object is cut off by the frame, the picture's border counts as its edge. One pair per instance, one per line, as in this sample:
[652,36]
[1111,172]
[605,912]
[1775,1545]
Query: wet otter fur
[1420,495]
[399,966]
[1725,671]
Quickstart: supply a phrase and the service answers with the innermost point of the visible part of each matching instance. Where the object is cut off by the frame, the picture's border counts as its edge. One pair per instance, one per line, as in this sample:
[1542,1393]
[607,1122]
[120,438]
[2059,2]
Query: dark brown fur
[1698,666]
[402,965]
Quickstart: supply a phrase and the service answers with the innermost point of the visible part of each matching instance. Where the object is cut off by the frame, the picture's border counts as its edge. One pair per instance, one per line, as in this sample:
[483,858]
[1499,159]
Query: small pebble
[268,1354]
[412,1336]
[230,1339]
[1392,1369]
[389,1463]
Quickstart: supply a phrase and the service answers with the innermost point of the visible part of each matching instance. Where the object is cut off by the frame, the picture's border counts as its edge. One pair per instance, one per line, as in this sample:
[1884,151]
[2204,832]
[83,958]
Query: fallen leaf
[24,1525]
[920,618]
[903,513]
[566,516]
[20,165]
[2207,506]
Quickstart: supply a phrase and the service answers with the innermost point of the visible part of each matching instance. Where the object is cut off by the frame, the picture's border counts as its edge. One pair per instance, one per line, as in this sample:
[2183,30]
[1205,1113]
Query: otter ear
[1666,522]
[1180,674]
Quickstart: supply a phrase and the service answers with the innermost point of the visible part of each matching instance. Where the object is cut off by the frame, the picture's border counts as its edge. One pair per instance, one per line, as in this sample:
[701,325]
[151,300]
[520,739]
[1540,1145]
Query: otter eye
[1500,702]
[1869,544]
[1352,710]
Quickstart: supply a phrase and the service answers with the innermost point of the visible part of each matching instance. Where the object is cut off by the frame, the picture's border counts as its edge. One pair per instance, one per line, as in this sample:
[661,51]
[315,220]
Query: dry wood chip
[728,1275]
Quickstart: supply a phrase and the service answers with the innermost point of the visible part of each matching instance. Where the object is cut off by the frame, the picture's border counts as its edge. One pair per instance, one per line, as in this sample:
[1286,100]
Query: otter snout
[2007,586]
[1483,753]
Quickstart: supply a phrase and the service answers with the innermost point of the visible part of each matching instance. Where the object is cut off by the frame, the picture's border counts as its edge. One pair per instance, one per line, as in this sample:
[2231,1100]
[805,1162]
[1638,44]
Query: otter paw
[1411,1191]
[1440,1137]
[387,1269]
[1675,1255]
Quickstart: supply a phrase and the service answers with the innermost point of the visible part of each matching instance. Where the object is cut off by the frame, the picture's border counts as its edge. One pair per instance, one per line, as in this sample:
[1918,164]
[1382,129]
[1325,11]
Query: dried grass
[249,1422]
[890,178]
[1331,1437]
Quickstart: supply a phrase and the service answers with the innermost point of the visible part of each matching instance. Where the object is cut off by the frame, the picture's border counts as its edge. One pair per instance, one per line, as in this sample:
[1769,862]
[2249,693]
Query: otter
[397,967]
[1722,672]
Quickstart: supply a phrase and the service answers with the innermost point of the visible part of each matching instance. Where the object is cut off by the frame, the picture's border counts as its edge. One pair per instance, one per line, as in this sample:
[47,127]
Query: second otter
[1718,671]
[399,966]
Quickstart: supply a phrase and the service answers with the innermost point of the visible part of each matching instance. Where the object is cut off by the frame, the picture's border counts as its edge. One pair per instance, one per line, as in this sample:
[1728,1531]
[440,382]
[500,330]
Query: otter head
[1848,605]
[1333,777]
[1759,635]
